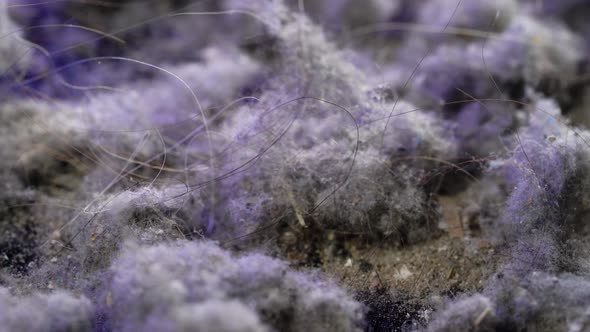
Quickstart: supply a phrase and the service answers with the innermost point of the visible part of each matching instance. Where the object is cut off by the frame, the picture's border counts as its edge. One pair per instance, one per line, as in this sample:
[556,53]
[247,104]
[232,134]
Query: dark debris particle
[365,266]
[391,312]
[453,291]
[18,233]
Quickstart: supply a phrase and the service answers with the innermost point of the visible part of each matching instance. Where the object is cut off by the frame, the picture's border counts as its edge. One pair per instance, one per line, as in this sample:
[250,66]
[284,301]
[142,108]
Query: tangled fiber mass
[282,165]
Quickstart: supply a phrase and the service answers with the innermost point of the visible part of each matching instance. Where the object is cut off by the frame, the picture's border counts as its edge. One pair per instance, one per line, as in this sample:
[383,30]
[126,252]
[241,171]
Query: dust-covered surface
[294,165]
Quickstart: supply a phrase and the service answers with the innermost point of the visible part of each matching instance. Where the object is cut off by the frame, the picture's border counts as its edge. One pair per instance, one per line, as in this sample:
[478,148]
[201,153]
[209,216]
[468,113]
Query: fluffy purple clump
[57,311]
[539,301]
[547,177]
[148,285]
